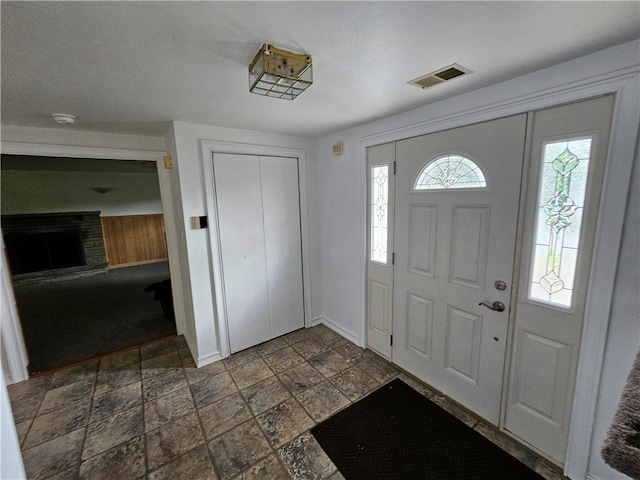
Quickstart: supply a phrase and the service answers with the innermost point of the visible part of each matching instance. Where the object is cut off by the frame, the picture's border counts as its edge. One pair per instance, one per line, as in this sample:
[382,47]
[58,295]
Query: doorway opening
[87,252]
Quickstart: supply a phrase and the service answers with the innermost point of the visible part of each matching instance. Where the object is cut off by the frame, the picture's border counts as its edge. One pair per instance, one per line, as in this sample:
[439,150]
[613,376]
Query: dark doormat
[396,433]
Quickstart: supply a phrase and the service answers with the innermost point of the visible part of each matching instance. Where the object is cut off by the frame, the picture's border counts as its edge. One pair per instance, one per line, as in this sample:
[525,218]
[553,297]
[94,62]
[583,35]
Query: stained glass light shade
[561,196]
[280,74]
[450,172]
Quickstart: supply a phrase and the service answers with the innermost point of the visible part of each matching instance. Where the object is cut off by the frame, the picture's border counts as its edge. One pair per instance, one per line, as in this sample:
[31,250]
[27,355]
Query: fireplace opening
[36,252]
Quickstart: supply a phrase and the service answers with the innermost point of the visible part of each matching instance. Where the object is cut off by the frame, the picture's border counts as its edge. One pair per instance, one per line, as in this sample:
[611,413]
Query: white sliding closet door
[281,213]
[244,264]
[259,228]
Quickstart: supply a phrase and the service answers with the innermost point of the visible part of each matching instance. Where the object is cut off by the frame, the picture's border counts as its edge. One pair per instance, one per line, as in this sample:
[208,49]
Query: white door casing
[547,336]
[259,228]
[379,292]
[452,246]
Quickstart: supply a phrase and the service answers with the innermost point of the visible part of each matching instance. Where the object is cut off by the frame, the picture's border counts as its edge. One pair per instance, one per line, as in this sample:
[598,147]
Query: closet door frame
[208,149]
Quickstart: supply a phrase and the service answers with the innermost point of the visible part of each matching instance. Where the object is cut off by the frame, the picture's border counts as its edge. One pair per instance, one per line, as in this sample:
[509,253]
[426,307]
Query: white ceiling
[131,67]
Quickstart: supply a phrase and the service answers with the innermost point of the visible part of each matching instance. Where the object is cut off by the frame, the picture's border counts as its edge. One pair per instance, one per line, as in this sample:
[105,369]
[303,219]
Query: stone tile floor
[149,413]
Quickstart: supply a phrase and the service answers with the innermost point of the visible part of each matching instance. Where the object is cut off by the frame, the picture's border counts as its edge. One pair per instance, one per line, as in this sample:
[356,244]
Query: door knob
[497,306]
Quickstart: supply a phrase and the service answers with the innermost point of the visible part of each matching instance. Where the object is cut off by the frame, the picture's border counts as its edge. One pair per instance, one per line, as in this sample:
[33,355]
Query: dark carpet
[396,433]
[70,320]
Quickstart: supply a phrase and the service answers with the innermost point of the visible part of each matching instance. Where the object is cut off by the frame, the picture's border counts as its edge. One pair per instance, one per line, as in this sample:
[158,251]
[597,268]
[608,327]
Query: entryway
[453,218]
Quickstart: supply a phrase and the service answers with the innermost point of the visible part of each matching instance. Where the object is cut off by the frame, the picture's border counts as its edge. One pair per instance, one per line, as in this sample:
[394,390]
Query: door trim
[17,356]
[208,148]
[625,84]
[14,350]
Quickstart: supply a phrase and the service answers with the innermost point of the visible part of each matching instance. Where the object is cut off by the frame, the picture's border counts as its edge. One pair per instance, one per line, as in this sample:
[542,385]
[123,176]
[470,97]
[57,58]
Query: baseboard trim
[140,262]
[204,360]
[208,360]
[336,328]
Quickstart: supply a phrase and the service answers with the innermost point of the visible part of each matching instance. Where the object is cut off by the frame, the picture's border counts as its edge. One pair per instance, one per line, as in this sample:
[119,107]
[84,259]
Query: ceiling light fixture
[63,118]
[280,74]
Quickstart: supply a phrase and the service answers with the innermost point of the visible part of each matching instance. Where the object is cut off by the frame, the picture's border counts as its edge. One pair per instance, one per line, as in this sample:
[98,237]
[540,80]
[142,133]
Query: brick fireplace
[53,245]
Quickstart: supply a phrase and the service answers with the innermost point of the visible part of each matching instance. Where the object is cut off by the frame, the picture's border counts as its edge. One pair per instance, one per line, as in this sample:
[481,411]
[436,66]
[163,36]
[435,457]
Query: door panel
[378,306]
[419,322]
[542,394]
[239,196]
[452,244]
[463,342]
[569,147]
[380,192]
[470,242]
[281,210]
[422,239]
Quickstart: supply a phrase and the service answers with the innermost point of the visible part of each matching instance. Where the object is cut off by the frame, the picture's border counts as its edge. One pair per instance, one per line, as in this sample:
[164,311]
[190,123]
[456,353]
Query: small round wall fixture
[63,118]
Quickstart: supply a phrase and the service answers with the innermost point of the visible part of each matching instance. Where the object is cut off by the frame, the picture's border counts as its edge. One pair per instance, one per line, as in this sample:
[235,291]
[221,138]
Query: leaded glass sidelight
[450,171]
[560,209]
[379,212]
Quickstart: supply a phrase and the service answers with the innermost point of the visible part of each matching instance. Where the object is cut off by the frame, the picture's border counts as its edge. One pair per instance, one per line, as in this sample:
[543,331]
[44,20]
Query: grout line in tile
[145,441]
[287,342]
[86,426]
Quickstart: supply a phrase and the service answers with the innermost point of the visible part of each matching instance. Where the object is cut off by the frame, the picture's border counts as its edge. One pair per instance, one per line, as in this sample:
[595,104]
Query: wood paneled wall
[134,239]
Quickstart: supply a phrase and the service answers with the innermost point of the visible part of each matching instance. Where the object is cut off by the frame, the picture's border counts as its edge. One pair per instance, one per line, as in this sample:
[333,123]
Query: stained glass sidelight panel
[561,195]
[450,171]
[379,212]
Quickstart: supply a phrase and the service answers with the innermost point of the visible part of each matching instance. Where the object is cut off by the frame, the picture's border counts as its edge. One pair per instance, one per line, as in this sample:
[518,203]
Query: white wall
[340,218]
[624,331]
[70,137]
[341,210]
[38,191]
[11,465]
[202,329]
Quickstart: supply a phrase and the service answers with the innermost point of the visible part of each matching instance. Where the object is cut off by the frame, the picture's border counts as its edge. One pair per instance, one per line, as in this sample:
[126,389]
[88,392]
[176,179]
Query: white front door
[568,155]
[454,243]
[259,227]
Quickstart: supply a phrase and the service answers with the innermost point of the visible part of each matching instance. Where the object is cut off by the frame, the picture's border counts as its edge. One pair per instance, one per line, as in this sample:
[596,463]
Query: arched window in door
[450,171]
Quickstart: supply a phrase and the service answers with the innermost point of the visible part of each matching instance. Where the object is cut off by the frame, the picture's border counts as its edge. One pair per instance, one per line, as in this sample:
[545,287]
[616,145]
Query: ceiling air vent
[440,76]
